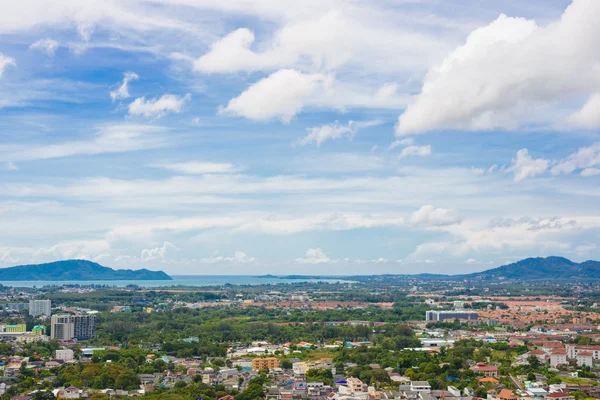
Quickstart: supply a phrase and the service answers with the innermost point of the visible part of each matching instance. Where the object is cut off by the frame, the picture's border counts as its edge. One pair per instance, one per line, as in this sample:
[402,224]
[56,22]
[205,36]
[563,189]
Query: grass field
[578,381]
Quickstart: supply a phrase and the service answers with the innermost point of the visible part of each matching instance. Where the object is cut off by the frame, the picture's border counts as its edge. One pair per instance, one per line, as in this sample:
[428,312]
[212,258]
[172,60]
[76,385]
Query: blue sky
[317,137]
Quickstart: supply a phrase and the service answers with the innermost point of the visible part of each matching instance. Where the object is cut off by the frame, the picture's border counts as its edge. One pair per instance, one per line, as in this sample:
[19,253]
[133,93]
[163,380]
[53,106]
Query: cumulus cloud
[585,158]
[419,151]
[6,62]
[509,68]
[428,215]
[314,256]
[199,168]
[47,45]
[122,92]
[158,253]
[280,95]
[320,134]
[524,166]
[589,115]
[158,107]
[232,54]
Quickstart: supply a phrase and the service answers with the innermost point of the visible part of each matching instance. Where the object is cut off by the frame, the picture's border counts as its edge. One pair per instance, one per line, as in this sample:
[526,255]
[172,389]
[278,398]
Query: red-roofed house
[540,354]
[507,394]
[486,370]
[558,357]
[560,396]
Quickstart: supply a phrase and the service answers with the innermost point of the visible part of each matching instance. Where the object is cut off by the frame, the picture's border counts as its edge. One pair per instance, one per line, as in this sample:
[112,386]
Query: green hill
[76,270]
[542,268]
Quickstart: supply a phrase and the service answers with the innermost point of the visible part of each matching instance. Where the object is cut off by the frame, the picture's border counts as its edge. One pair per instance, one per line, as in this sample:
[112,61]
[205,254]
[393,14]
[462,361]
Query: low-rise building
[486,370]
[585,358]
[558,357]
[18,328]
[265,363]
[64,355]
[420,386]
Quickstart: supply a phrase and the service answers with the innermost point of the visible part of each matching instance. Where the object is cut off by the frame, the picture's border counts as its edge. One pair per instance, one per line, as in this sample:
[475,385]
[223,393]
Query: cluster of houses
[557,354]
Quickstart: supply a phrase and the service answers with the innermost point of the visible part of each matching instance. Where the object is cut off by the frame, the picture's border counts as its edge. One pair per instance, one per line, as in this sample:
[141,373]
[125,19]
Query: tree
[252,392]
[43,396]
[180,384]
[534,362]
[127,380]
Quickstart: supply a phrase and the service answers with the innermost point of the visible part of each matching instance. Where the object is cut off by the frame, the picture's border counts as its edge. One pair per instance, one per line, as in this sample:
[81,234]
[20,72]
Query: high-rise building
[433,315]
[68,327]
[84,326]
[40,307]
[62,327]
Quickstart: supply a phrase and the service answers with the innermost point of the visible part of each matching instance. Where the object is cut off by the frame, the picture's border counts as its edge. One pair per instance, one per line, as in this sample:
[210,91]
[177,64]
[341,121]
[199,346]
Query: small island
[77,270]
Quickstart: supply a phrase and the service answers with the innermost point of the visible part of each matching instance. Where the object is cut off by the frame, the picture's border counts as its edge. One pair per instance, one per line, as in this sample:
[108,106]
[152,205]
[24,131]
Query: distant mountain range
[76,270]
[541,269]
[529,269]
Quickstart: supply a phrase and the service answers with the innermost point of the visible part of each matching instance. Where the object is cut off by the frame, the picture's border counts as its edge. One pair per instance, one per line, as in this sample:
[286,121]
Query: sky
[284,137]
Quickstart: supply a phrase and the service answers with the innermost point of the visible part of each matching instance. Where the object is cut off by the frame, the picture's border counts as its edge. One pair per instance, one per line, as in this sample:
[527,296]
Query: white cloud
[321,36]
[158,253]
[232,54]
[6,62]
[47,45]
[315,256]
[589,115]
[430,216]
[510,68]
[590,172]
[320,134]
[387,91]
[158,107]
[238,258]
[585,158]
[471,261]
[280,95]
[72,249]
[199,168]
[122,92]
[420,151]
[402,142]
[524,166]
[265,223]
[108,139]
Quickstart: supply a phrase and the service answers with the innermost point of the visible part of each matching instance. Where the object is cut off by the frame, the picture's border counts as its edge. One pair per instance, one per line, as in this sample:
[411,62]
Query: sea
[178,280]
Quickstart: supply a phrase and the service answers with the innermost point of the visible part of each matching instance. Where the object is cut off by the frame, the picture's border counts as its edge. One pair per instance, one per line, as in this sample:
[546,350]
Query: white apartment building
[558,357]
[573,350]
[40,307]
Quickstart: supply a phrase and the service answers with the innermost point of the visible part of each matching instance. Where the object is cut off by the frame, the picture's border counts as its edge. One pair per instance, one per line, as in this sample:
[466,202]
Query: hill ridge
[76,270]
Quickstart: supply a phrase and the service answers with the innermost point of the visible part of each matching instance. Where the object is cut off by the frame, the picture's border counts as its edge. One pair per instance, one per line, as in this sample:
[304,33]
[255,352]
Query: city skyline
[323,137]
